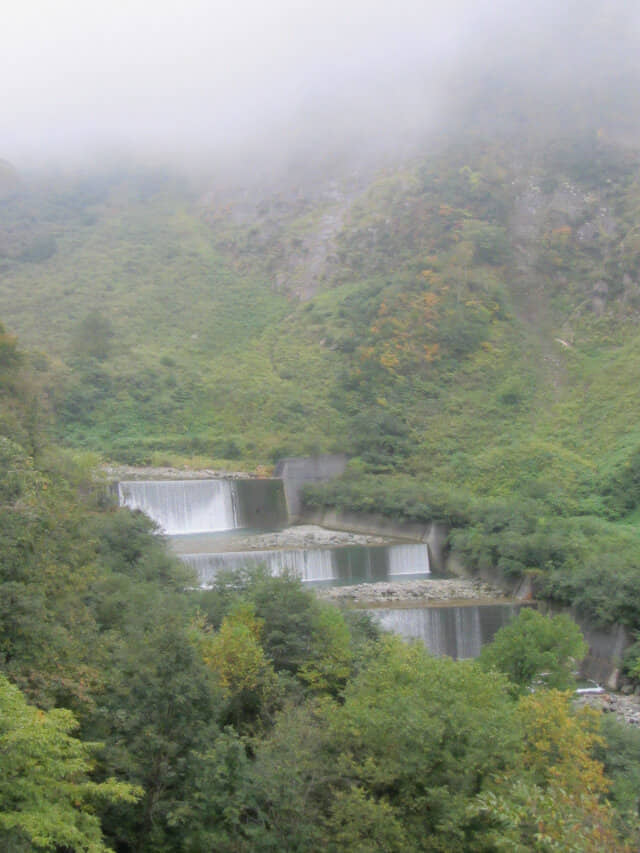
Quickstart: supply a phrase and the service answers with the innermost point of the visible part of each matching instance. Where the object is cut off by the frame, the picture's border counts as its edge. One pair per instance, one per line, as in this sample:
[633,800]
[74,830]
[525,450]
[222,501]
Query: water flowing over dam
[352,564]
[205,519]
[182,507]
[459,632]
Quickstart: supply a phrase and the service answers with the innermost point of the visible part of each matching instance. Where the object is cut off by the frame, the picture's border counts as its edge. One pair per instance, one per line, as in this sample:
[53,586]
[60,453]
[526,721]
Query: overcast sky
[204,75]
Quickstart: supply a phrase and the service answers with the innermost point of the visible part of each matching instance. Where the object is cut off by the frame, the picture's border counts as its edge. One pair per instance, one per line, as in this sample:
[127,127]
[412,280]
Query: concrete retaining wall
[433,534]
[261,503]
[297,471]
[603,662]
[606,646]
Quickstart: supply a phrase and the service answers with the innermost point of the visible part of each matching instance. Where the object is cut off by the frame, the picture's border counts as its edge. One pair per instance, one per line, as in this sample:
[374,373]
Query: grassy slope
[202,324]
[469,331]
[197,353]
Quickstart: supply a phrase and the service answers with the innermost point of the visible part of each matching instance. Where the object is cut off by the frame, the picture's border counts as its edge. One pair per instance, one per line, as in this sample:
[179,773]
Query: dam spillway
[207,518]
[344,565]
[183,506]
[186,507]
[456,631]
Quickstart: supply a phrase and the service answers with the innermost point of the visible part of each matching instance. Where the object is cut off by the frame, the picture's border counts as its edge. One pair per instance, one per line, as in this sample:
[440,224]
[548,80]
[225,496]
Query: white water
[320,565]
[184,506]
[459,632]
[313,565]
[406,560]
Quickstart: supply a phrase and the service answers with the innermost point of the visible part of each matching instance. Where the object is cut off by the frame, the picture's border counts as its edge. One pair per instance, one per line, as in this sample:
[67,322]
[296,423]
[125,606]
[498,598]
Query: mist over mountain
[250,87]
[406,233]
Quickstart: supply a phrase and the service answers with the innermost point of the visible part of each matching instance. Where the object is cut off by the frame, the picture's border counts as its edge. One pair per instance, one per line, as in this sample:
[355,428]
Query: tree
[330,658]
[159,709]
[235,654]
[216,811]
[536,650]
[292,779]
[287,611]
[46,798]
[555,798]
[92,337]
[360,823]
[421,737]
[621,758]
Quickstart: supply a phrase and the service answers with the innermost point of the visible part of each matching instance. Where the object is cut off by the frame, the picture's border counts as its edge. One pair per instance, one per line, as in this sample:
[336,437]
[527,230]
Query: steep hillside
[484,274]
[141,714]
[465,324]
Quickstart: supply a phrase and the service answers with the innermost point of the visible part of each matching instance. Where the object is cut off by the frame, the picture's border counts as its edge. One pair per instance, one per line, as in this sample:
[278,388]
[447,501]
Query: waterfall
[184,506]
[459,632]
[350,564]
[407,560]
[314,566]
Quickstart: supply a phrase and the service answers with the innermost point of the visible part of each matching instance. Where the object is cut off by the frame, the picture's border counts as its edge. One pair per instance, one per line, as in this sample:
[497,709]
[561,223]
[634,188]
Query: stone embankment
[435,590]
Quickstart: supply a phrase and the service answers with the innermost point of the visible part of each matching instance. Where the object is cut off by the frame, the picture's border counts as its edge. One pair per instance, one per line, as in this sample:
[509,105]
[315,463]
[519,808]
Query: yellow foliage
[432,278]
[559,743]
[555,800]
[234,653]
[567,801]
[404,333]
[431,351]
[389,360]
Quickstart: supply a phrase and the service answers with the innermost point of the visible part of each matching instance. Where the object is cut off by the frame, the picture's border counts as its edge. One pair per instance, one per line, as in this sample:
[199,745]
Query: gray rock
[587,232]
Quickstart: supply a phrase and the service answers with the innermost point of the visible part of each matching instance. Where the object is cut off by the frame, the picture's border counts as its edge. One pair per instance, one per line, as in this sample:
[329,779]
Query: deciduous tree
[46,798]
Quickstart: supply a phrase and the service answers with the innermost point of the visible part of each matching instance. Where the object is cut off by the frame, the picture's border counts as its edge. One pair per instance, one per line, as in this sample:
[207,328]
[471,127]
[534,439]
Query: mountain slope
[464,325]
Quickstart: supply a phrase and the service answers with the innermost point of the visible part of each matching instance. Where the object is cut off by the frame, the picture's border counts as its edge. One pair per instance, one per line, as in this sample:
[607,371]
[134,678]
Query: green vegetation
[536,649]
[466,328]
[464,325]
[137,714]
[46,797]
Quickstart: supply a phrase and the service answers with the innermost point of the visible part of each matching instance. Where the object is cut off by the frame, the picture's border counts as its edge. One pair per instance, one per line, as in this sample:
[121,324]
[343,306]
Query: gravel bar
[435,590]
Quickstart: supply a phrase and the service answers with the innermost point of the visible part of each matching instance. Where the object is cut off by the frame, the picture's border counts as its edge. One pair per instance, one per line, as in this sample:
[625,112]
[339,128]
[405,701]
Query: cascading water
[190,510]
[459,632]
[184,506]
[407,560]
[316,565]
[351,564]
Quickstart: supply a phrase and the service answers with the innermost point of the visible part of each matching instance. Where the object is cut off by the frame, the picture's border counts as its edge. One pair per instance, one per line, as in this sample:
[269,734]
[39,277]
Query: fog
[203,80]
